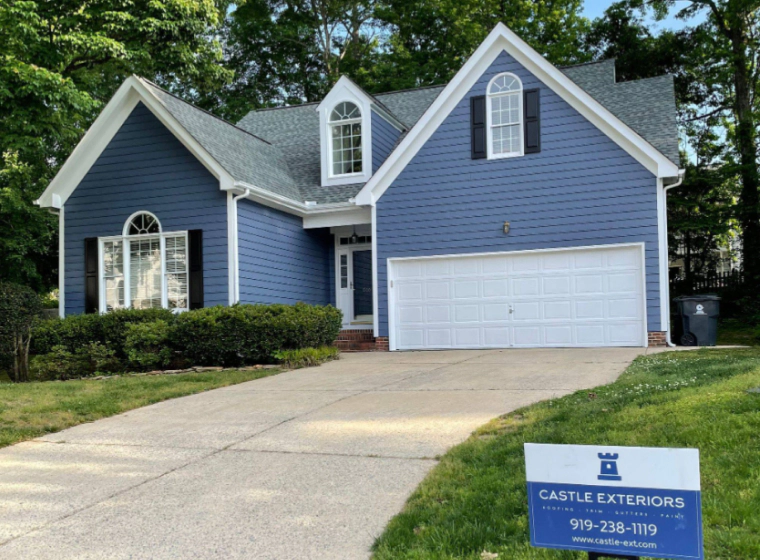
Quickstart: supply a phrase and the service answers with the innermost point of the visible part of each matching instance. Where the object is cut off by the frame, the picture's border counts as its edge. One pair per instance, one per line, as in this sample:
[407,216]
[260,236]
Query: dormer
[346,117]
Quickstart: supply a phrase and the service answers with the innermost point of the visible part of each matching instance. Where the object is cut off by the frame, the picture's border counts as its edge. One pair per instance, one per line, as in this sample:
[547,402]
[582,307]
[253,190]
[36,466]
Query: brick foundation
[382,344]
[361,340]
[657,338]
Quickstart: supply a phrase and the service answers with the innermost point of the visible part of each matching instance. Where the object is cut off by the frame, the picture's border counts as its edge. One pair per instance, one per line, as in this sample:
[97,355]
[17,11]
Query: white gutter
[236,253]
[665,189]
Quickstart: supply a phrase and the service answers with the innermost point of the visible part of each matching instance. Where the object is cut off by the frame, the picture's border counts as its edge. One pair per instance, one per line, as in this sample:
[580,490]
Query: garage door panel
[526,286]
[495,288]
[464,289]
[412,291]
[559,335]
[589,284]
[438,290]
[438,313]
[469,338]
[496,312]
[584,297]
[467,313]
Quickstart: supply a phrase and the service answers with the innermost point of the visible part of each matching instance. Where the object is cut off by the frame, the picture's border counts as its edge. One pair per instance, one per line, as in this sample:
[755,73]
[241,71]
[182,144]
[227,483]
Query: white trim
[348,320]
[644,300]
[489,124]
[231,246]
[503,39]
[392,260]
[375,297]
[61,263]
[662,248]
[105,127]
[347,217]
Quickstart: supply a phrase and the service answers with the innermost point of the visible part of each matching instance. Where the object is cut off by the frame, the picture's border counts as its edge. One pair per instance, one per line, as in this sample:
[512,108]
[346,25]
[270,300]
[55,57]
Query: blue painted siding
[145,167]
[384,136]
[280,262]
[582,189]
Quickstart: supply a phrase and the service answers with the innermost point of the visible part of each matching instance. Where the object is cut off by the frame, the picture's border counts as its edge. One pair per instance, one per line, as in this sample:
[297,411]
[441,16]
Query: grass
[475,499]
[732,332]
[30,410]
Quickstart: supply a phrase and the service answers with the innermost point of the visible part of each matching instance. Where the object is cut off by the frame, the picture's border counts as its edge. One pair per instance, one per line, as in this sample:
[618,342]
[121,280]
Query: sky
[595,8]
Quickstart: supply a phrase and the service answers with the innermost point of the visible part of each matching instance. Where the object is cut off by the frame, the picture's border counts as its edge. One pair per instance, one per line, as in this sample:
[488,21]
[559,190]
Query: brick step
[360,340]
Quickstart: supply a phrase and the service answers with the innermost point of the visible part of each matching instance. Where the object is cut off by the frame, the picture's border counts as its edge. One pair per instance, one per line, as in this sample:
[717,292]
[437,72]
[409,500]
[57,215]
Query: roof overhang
[105,127]
[503,39]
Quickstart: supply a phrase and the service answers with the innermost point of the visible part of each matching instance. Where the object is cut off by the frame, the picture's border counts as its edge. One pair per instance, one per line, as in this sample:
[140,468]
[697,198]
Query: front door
[354,286]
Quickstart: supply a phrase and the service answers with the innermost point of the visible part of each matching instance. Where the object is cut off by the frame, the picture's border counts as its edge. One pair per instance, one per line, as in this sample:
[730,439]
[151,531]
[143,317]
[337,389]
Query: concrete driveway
[307,464]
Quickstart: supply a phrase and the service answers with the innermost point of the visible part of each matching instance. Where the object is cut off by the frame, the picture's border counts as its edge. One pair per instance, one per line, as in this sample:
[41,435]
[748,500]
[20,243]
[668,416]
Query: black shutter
[478,126]
[532,110]
[195,265]
[91,295]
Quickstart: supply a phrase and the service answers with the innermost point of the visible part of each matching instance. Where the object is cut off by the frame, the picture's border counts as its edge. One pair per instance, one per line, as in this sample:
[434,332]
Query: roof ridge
[205,111]
[410,89]
[610,59]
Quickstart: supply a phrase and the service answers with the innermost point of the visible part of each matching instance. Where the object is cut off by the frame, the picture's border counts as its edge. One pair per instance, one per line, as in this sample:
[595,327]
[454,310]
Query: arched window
[345,127]
[142,223]
[144,267]
[505,120]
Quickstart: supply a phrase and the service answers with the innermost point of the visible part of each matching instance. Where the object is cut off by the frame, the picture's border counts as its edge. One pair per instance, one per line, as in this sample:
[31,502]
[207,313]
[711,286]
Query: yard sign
[633,501]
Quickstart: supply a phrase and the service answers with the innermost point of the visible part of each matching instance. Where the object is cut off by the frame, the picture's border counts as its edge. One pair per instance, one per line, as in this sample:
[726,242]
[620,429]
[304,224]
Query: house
[519,205]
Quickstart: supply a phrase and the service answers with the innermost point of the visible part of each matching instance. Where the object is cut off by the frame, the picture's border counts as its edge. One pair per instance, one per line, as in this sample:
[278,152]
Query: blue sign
[619,500]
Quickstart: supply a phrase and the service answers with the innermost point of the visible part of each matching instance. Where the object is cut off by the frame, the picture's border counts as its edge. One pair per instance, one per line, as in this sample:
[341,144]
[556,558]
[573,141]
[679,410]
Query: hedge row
[213,336]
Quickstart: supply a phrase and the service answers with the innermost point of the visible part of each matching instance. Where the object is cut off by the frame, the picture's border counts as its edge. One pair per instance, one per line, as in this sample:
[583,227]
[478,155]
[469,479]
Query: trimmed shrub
[19,308]
[147,345]
[307,357]
[61,364]
[245,334]
[77,331]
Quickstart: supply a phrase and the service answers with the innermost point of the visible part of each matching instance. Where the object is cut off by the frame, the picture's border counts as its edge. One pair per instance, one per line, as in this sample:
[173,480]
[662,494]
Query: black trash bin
[699,315]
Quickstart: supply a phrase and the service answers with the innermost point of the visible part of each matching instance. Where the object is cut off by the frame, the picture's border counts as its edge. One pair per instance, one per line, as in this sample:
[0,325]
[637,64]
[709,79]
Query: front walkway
[308,464]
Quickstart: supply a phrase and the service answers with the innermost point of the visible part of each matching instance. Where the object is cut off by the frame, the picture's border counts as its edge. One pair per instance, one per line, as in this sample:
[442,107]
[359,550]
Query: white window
[345,133]
[504,114]
[151,263]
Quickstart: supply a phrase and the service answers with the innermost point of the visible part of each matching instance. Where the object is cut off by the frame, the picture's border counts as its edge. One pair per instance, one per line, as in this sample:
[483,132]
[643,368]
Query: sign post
[615,502]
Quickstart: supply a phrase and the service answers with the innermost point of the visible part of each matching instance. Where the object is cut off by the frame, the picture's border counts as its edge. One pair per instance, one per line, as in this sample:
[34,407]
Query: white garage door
[579,297]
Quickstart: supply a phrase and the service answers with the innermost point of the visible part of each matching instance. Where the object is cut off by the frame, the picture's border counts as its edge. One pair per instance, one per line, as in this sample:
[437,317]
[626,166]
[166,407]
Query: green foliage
[19,308]
[61,61]
[147,345]
[226,336]
[246,334]
[307,357]
[61,364]
[109,329]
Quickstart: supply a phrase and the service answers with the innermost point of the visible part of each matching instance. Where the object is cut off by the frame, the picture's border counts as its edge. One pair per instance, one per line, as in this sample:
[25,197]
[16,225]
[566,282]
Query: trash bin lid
[706,297]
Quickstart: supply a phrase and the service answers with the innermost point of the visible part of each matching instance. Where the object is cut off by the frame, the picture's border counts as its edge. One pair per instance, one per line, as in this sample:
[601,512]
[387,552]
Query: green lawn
[736,333]
[29,410]
[475,499]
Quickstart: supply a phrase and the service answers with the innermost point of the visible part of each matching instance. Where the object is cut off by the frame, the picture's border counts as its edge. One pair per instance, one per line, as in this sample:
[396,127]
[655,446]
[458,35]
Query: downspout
[236,254]
[681,174]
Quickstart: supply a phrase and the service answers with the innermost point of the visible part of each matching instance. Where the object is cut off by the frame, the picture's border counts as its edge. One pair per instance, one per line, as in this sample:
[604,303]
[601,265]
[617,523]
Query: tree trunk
[746,145]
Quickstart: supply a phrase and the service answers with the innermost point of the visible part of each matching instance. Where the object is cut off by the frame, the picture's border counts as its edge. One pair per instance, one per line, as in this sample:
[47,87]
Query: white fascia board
[353,215]
[105,128]
[503,39]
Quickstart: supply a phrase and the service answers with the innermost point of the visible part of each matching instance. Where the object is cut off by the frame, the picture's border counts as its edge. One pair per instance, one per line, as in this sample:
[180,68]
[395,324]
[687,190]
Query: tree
[59,63]
[729,44]
[431,39]
[292,51]
[19,307]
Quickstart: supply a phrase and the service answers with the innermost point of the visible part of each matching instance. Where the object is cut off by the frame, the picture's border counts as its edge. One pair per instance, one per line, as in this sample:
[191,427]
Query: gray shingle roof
[648,106]
[247,158]
[278,149]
